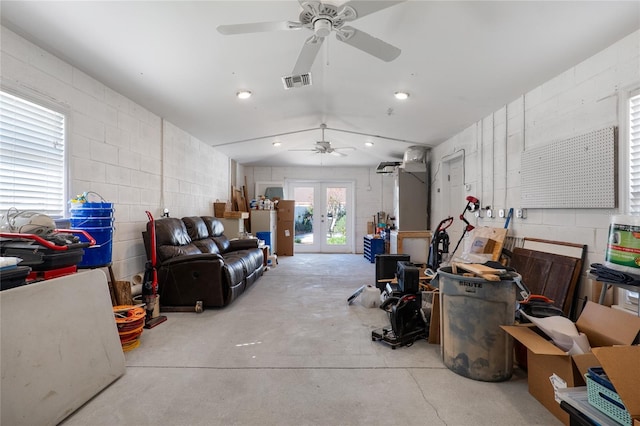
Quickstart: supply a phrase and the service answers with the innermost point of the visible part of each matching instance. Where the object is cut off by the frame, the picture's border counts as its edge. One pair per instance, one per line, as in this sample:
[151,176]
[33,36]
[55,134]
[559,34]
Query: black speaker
[408,277]
[386,265]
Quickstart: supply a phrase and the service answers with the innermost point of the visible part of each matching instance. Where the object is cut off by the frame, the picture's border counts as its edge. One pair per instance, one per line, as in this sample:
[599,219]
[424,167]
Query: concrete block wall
[372,192]
[586,97]
[118,149]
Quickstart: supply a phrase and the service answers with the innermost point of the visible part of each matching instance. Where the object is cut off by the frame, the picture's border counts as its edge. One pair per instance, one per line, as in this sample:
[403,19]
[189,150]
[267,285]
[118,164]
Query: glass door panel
[304,196]
[322,218]
[336,219]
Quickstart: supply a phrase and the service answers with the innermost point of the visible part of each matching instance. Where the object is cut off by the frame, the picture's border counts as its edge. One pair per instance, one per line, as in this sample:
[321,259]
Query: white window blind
[631,297]
[32,158]
[634,155]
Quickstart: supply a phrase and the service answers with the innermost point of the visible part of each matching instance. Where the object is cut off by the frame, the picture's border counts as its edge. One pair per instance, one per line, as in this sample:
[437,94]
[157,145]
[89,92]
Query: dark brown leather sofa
[197,262]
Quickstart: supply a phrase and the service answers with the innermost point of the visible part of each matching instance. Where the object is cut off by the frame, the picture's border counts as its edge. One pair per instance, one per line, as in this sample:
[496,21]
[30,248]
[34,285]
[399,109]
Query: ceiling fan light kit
[322,19]
[324,147]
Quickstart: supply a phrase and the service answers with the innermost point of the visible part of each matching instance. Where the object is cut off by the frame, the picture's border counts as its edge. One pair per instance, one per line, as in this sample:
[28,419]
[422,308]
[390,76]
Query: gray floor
[290,351]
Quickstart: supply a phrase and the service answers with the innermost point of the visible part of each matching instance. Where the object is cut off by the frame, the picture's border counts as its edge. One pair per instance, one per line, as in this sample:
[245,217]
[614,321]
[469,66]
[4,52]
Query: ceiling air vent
[300,80]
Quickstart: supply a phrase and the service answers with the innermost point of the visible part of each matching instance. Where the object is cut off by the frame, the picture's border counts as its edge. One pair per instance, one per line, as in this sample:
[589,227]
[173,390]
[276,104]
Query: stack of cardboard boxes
[285,227]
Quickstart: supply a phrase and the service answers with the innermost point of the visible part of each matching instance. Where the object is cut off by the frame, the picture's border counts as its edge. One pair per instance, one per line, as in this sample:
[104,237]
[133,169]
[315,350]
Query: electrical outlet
[521,213]
[489,213]
[478,214]
[501,213]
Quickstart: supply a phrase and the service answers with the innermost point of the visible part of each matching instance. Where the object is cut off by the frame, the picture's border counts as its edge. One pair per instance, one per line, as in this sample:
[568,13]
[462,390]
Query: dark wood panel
[548,274]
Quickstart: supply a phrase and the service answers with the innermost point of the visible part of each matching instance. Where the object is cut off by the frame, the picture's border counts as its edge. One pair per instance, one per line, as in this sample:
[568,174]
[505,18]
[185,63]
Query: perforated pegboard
[579,172]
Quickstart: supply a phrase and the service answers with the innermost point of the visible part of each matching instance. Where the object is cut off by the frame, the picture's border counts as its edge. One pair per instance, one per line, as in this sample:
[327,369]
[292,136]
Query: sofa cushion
[199,234]
[223,243]
[253,258]
[172,239]
[196,228]
[214,226]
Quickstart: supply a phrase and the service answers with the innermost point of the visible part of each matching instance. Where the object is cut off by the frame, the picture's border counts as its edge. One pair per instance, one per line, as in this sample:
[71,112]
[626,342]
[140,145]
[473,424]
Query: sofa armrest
[243,244]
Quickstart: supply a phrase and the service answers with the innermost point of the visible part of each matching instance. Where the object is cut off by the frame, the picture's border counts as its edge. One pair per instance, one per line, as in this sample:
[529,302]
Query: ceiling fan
[322,19]
[324,147]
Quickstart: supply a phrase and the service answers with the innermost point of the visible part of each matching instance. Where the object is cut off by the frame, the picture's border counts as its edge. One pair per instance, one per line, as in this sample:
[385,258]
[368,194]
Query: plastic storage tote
[264,236]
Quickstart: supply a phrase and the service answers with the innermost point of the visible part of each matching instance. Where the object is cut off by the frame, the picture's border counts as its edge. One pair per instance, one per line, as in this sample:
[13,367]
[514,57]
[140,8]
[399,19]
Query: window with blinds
[634,154]
[32,157]
[631,297]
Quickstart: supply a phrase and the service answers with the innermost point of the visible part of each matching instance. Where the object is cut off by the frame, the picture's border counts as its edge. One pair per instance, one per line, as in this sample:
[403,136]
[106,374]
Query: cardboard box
[603,326]
[370,228]
[219,208]
[286,210]
[285,236]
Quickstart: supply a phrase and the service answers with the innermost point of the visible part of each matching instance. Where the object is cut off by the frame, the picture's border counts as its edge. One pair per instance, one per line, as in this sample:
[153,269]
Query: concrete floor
[290,351]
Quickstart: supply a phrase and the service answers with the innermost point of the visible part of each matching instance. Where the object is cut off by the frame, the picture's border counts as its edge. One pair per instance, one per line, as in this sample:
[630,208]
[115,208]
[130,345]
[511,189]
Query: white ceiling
[460,61]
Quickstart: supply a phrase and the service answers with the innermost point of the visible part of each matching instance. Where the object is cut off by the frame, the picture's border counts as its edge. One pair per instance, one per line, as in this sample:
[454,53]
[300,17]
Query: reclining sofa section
[197,262]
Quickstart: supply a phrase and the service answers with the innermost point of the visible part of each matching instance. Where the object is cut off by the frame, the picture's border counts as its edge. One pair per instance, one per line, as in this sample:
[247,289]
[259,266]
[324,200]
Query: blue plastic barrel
[264,236]
[97,220]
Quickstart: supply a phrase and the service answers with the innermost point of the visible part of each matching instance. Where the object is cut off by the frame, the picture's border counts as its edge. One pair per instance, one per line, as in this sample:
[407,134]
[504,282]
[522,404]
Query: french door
[323,219]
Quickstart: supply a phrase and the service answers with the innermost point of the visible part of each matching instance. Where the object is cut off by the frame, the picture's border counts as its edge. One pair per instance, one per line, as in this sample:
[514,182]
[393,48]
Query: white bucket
[371,297]
[623,245]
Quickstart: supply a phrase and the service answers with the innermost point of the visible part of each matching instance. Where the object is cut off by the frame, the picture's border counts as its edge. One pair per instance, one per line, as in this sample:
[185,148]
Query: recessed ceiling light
[401,95]
[369,144]
[243,94]
[276,143]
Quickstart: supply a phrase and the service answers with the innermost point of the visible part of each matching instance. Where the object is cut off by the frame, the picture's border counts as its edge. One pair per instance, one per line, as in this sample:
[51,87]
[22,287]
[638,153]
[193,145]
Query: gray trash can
[471,312]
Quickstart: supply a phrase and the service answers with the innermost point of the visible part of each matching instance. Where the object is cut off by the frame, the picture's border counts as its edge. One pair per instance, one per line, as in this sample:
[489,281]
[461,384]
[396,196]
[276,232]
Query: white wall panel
[578,172]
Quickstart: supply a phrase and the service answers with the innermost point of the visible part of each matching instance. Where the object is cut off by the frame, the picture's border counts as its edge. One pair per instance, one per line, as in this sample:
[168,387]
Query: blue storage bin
[603,396]
[264,236]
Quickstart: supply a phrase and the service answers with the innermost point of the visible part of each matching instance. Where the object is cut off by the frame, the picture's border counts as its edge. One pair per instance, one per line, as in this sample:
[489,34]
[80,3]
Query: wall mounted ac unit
[387,167]
[415,159]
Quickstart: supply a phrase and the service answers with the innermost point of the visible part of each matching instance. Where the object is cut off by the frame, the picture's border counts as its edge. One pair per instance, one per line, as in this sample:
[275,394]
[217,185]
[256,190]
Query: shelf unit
[372,246]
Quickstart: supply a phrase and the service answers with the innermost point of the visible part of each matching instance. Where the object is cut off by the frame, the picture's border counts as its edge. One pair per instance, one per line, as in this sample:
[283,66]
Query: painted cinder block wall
[586,97]
[118,149]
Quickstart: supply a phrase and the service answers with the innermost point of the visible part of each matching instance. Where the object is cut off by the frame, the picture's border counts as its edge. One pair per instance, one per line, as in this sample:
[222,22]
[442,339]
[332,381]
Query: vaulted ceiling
[459,62]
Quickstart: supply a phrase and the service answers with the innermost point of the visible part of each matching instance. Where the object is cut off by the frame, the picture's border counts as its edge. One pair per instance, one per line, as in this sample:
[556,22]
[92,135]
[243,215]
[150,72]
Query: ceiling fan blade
[338,154]
[368,43]
[258,27]
[307,55]
[364,8]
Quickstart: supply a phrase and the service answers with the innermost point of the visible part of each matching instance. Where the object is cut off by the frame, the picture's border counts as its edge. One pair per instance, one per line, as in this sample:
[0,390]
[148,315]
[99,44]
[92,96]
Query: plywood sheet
[59,347]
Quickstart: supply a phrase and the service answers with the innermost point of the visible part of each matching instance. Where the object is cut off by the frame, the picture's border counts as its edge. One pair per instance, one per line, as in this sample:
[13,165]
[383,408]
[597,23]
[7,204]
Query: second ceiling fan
[322,19]
[324,147]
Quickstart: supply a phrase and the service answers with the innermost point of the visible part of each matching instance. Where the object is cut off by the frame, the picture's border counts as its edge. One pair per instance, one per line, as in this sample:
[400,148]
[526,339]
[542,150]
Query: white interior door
[323,216]
[454,199]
